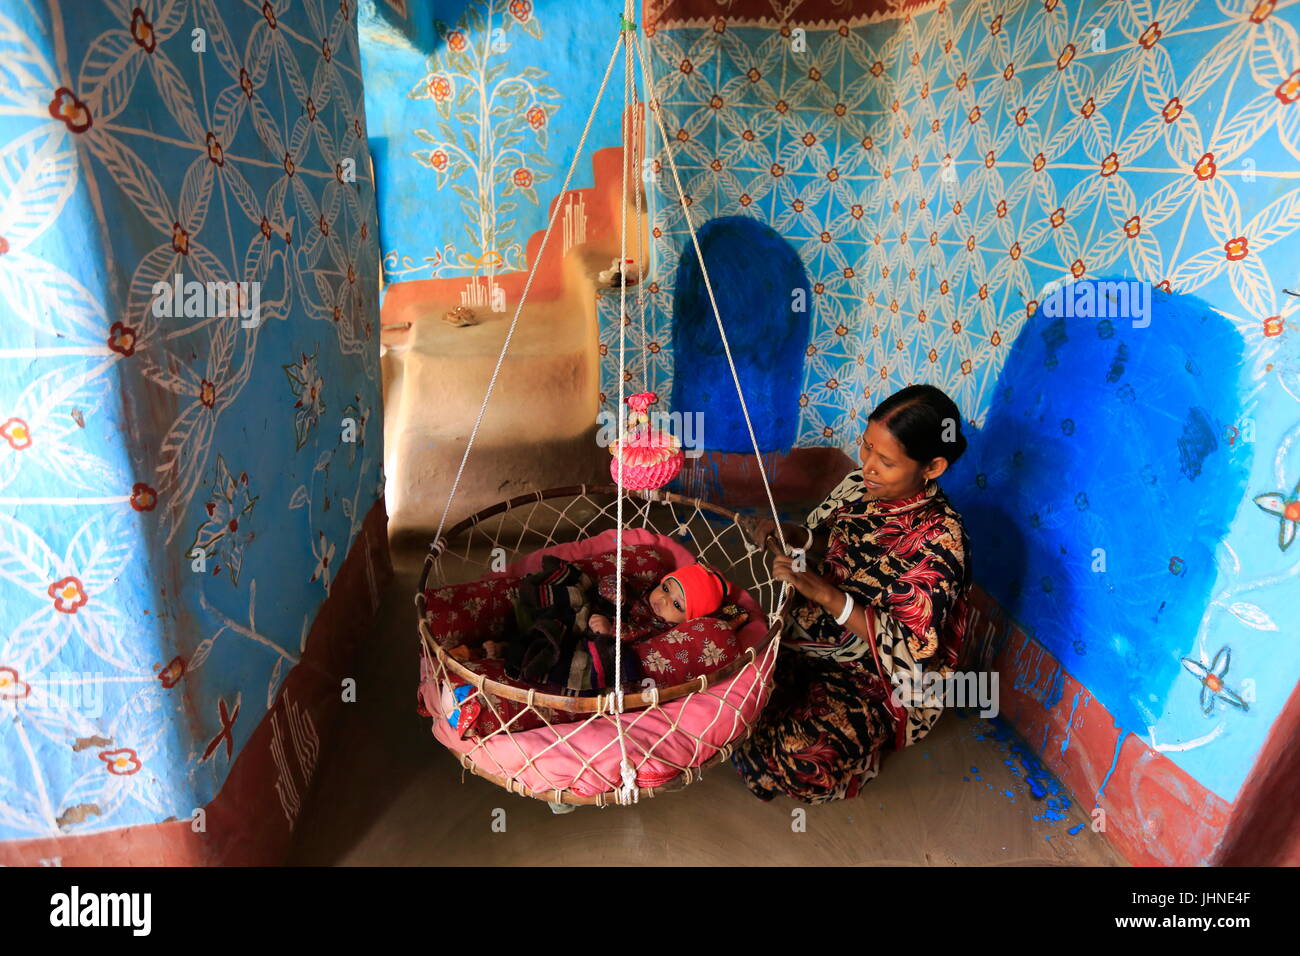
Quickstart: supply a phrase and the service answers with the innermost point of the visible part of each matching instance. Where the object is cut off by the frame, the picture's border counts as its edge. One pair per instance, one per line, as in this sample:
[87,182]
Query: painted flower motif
[521,10]
[1077,268]
[439,88]
[1110,165]
[962,81]
[142,31]
[1273,325]
[1089,107]
[1172,110]
[1022,115]
[1288,91]
[11,688]
[1213,687]
[74,114]
[1236,249]
[246,83]
[323,551]
[180,239]
[1133,226]
[1287,509]
[307,386]
[753,75]
[1065,57]
[290,167]
[1058,217]
[172,673]
[1150,36]
[1205,167]
[1039,162]
[1002,209]
[143,498]
[68,594]
[974,115]
[522,177]
[1263,10]
[536,117]
[456,40]
[438,159]
[269,13]
[207,393]
[121,763]
[16,433]
[218,537]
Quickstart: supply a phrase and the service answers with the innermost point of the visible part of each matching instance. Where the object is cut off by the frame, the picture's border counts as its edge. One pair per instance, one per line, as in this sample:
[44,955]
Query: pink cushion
[681,733]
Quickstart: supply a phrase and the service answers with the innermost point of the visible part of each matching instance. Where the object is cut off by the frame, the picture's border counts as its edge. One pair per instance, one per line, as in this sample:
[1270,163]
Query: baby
[564,622]
[682,595]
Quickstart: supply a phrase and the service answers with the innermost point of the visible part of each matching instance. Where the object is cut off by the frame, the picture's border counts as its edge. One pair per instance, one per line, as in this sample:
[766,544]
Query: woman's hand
[600,624]
[812,586]
[759,529]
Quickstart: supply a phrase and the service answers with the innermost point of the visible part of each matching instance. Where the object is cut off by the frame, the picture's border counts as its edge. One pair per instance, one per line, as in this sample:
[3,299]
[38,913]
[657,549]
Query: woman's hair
[921,417]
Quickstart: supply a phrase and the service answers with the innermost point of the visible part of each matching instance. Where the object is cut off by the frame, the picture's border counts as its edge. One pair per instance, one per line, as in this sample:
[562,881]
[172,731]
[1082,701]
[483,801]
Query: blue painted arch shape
[760,285]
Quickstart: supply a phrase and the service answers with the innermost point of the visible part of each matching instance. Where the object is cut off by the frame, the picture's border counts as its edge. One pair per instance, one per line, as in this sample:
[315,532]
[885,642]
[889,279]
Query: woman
[887,603]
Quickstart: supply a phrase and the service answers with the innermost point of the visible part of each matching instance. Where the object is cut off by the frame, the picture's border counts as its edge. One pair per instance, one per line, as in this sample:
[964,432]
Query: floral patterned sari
[833,711]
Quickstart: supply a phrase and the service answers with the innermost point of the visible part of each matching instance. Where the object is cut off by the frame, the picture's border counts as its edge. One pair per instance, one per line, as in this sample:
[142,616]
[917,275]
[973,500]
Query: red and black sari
[834,711]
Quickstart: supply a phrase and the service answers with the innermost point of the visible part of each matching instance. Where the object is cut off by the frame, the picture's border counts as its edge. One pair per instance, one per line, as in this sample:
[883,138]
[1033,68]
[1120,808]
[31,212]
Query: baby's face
[667,601]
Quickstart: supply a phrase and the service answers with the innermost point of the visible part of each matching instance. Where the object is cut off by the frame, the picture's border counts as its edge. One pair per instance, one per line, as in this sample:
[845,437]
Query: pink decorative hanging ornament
[651,456]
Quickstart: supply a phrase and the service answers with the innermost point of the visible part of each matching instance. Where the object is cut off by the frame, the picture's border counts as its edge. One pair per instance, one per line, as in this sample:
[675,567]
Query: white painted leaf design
[1253,615]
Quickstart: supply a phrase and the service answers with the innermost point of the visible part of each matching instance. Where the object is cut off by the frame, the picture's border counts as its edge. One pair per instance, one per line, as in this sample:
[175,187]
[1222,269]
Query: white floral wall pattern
[160,455]
[936,170]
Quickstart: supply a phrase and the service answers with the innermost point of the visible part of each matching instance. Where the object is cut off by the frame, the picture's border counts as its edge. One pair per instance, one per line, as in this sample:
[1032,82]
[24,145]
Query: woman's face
[886,468]
[668,602]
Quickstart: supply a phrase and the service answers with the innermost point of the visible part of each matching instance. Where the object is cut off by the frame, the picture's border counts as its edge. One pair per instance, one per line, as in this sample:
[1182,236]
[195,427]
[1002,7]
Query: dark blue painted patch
[1142,473]
[759,282]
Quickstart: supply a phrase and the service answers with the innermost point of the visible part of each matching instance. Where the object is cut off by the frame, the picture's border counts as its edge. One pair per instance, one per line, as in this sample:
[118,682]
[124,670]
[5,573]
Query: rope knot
[628,792]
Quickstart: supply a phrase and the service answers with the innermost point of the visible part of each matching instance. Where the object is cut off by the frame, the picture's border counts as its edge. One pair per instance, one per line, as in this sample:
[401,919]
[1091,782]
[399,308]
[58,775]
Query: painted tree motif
[491,126]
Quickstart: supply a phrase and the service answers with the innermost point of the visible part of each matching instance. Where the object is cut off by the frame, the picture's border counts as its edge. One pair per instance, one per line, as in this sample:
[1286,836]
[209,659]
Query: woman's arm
[817,589]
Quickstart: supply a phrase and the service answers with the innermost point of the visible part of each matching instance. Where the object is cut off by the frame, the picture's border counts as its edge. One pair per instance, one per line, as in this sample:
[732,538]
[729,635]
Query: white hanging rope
[627,791]
[652,104]
[523,297]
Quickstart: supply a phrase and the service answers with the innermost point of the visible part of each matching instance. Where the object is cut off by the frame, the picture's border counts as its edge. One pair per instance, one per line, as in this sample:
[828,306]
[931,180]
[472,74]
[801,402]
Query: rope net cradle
[518,760]
[629,742]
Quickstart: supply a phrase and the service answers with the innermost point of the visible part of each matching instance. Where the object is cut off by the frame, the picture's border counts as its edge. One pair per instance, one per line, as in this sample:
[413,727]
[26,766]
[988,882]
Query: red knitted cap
[703,589]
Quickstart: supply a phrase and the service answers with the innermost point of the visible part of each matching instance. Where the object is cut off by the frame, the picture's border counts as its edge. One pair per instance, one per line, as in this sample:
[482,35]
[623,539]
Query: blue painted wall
[763,294]
[131,675]
[475,111]
[1099,487]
